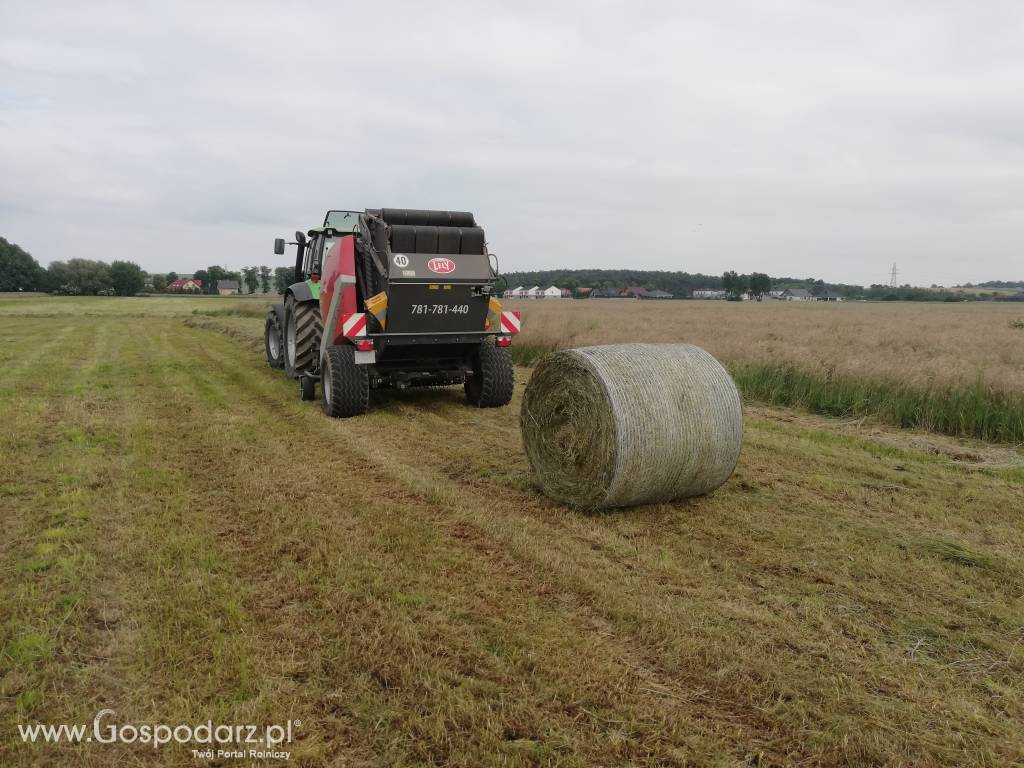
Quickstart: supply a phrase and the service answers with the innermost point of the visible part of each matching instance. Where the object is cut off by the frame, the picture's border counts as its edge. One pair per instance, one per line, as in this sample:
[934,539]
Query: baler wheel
[307,388]
[493,378]
[302,329]
[273,336]
[344,386]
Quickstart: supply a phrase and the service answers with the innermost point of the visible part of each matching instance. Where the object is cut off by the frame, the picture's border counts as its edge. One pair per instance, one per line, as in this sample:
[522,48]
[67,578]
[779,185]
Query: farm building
[636,292]
[796,294]
[185,285]
[708,293]
[642,293]
[227,287]
[515,293]
[534,293]
[606,293]
[829,296]
[551,293]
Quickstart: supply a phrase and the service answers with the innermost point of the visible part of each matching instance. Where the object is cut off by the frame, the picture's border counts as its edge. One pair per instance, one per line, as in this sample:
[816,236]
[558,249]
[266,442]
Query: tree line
[683,284]
[680,284]
[19,271]
[250,280]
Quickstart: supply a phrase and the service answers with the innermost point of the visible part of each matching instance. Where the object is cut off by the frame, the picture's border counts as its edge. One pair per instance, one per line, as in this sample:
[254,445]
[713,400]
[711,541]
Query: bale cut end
[630,424]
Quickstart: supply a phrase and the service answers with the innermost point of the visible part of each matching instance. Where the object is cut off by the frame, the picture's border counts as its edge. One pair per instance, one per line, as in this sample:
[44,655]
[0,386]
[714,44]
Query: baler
[392,297]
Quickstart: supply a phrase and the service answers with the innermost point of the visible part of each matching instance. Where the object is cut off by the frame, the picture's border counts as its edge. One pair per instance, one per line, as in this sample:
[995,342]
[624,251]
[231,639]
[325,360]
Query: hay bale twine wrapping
[627,424]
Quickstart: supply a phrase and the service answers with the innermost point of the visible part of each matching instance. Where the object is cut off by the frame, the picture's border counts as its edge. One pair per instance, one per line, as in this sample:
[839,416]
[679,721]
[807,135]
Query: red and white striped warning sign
[510,322]
[353,324]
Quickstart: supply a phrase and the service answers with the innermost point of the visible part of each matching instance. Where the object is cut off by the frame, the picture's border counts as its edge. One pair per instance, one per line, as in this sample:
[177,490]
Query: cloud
[788,137]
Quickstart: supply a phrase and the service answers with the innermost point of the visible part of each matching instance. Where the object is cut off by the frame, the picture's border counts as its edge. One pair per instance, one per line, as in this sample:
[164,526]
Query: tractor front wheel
[493,377]
[302,329]
[273,336]
[344,386]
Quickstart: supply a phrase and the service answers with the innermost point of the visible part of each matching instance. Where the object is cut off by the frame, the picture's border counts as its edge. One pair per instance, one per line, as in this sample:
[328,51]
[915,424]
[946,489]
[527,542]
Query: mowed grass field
[185,540]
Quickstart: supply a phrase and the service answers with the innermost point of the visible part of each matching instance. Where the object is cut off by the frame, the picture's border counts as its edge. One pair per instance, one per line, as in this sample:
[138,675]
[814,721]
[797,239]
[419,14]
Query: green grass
[975,412]
[218,549]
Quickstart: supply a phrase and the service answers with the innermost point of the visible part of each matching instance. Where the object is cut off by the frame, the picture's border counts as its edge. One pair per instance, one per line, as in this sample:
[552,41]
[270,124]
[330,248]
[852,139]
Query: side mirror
[300,239]
[279,245]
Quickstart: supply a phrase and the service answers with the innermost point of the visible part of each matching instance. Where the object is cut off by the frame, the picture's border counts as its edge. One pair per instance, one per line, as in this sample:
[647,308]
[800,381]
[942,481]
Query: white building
[534,293]
[515,293]
[708,294]
[552,293]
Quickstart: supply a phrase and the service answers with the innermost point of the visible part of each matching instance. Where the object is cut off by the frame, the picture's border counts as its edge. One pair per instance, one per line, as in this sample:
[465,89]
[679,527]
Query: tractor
[392,298]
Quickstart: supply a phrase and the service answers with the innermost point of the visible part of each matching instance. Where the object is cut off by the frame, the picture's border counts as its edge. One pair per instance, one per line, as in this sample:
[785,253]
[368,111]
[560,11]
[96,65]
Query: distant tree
[266,279]
[204,279]
[18,270]
[159,283]
[172,276]
[735,285]
[818,287]
[283,277]
[79,276]
[760,284]
[215,274]
[126,278]
[251,276]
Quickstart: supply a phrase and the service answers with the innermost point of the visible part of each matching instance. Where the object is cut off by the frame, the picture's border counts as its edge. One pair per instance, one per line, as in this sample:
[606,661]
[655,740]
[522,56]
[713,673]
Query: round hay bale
[629,424]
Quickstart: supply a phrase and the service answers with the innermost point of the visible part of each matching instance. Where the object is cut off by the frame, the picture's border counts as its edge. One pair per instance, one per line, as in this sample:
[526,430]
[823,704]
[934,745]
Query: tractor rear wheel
[493,378]
[344,386]
[273,336]
[302,329]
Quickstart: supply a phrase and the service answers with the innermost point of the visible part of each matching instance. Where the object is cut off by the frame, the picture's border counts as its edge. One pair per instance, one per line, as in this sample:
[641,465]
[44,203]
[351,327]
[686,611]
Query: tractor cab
[342,221]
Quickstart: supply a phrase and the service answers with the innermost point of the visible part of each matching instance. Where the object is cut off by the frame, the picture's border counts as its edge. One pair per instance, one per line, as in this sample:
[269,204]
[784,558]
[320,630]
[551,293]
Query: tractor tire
[273,336]
[493,378]
[302,330]
[344,386]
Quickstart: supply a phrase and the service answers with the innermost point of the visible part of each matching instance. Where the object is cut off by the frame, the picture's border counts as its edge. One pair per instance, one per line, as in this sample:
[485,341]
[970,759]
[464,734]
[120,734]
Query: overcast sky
[824,139]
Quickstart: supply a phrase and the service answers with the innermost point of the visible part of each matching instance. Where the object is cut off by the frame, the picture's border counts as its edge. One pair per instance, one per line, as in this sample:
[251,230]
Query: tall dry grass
[957,369]
[915,344]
